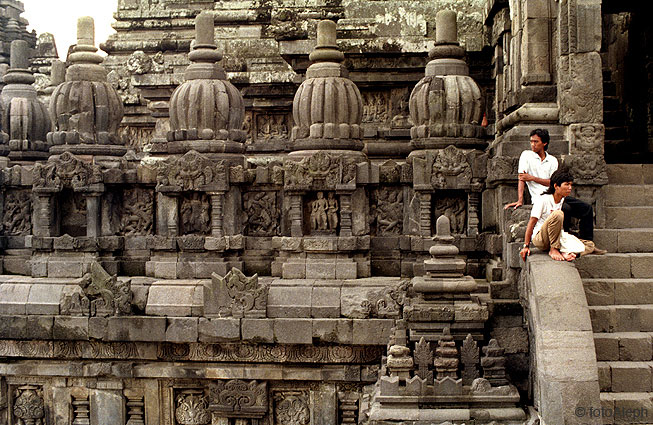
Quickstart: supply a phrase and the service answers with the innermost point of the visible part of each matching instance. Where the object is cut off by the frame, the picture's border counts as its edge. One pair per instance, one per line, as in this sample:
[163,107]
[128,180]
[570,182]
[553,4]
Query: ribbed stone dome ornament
[24,120]
[206,111]
[445,105]
[328,107]
[86,109]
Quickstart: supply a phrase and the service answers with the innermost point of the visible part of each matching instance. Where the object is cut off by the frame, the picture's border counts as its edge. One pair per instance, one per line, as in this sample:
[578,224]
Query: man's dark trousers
[573,207]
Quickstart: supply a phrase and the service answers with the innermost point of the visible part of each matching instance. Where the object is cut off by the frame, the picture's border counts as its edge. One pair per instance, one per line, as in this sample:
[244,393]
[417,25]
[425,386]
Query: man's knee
[557,216]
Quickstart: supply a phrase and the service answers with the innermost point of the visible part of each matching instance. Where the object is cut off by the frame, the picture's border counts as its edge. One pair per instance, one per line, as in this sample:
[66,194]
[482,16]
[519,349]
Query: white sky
[59,17]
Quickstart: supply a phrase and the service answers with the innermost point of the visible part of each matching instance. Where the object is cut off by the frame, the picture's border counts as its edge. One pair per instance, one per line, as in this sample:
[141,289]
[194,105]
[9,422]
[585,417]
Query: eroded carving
[190,172]
[239,398]
[261,216]
[387,302]
[376,106]
[29,408]
[291,408]
[388,210]
[108,296]
[66,170]
[195,217]
[136,213]
[322,170]
[273,126]
[450,162]
[235,295]
[17,219]
[192,408]
[455,210]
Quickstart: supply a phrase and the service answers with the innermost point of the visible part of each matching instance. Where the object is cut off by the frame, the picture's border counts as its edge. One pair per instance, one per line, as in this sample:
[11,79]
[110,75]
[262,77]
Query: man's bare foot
[569,256]
[556,254]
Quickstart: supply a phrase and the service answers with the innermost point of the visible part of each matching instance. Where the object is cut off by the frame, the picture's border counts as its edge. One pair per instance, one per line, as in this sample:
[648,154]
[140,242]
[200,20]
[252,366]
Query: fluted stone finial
[447,102]
[23,118]
[328,107]
[206,111]
[85,108]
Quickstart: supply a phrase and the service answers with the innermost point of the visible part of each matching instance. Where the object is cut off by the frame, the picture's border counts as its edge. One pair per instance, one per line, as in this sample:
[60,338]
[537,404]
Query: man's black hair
[543,134]
[560,176]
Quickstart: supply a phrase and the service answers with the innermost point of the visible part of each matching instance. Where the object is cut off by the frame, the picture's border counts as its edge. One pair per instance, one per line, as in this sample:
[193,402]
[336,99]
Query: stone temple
[290,212]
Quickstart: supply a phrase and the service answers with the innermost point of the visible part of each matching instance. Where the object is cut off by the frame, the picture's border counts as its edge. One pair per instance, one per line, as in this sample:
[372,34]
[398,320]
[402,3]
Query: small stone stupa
[328,107]
[446,105]
[24,119]
[86,109]
[206,111]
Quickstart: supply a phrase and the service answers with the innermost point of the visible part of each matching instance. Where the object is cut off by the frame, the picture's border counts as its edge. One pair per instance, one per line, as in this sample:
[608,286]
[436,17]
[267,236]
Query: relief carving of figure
[319,209]
[454,210]
[261,213]
[194,212]
[332,213]
[17,219]
[389,211]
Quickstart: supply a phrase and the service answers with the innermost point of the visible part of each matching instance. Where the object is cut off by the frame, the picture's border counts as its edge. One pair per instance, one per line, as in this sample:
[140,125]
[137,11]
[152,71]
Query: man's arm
[520,196]
[525,177]
[525,251]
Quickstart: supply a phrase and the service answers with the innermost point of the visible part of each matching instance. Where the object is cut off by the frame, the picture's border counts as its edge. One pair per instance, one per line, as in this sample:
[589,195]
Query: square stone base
[173,268]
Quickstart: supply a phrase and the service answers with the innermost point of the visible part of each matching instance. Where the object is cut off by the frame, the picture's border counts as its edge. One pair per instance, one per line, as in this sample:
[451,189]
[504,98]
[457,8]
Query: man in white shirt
[535,169]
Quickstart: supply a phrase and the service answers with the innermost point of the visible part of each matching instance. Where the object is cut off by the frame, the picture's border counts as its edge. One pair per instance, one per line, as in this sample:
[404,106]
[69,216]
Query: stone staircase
[614,118]
[619,290]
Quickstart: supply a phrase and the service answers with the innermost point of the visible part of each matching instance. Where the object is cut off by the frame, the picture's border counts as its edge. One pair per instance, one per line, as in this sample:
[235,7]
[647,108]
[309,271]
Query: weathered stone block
[170,300]
[136,329]
[372,331]
[320,270]
[333,330]
[44,299]
[97,327]
[512,340]
[599,292]
[70,328]
[346,270]
[13,298]
[182,329]
[635,347]
[289,301]
[325,301]
[293,331]
[257,330]
[293,270]
[631,377]
[607,346]
[218,330]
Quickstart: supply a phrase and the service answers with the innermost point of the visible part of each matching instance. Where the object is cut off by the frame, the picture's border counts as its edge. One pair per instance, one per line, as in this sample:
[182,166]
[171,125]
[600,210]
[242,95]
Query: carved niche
[388,210]
[192,408]
[238,398]
[451,169]
[320,171]
[455,209]
[29,407]
[136,212]
[291,408]
[194,214]
[261,214]
[271,126]
[191,172]
[66,170]
[235,295]
[324,213]
[502,168]
[17,218]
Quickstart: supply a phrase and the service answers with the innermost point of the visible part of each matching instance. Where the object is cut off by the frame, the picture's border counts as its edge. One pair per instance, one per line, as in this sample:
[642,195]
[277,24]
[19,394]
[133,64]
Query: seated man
[535,169]
[545,225]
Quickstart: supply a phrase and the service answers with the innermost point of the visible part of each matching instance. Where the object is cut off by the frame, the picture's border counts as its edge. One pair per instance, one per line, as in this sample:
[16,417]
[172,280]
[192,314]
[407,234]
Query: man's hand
[514,205]
[525,252]
[525,177]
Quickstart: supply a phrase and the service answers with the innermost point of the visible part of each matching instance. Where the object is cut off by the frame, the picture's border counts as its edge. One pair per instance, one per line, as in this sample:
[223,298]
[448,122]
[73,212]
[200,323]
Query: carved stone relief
[192,408]
[101,295]
[324,213]
[388,210]
[192,171]
[454,209]
[66,170]
[586,138]
[194,214]
[137,212]
[271,126]
[387,302]
[320,171]
[239,398]
[235,295]
[261,214]
[376,106]
[29,408]
[17,219]
[291,408]
[72,207]
[450,163]
[399,99]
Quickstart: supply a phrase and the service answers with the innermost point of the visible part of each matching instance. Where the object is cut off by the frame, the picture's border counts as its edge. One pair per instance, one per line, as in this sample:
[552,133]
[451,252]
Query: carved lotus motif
[192,408]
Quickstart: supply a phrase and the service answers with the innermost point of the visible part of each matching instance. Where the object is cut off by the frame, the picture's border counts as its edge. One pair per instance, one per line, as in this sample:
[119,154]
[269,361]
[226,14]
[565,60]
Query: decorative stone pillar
[45,223]
[86,109]
[217,204]
[135,407]
[296,216]
[424,213]
[81,407]
[23,117]
[345,214]
[93,214]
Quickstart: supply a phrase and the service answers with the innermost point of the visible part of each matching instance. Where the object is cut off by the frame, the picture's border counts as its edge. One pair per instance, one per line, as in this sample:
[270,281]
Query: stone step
[623,195]
[625,240]
[609,88]
[623,346]
[612,133]
[621,318]
[611,103]
[630,173]
[628,217]
[614,118]
[618,291]
[625,377]
[627,408]
[613,266]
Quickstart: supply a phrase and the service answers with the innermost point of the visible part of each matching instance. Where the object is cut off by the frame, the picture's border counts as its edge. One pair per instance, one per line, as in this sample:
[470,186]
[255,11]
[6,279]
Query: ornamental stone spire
[206,111]
[86,109]
[327,108]
[23,118]
[446,104]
